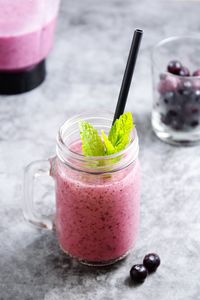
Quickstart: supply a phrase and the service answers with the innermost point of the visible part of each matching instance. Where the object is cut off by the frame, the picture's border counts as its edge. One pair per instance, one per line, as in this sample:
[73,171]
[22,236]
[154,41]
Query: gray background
[85,71]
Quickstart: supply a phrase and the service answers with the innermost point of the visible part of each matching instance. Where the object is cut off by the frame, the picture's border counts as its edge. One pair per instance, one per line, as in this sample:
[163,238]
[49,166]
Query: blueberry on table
[174,67]
[151,262]
[196,73]
[138,273]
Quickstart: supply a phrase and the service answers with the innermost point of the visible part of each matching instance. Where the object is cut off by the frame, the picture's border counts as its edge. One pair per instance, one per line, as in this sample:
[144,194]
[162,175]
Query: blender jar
[26,38]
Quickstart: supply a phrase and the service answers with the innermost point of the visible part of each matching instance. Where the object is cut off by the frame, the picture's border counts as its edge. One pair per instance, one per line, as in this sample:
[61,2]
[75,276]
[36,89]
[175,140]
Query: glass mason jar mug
[97,198]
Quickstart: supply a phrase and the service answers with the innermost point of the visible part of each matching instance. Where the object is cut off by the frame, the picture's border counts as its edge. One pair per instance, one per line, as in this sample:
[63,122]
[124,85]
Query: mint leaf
[119,134]
[109,148]
[117,140]
[92,144]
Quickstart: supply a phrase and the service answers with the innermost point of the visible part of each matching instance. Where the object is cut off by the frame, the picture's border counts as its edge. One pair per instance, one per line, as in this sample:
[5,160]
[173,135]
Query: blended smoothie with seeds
[97,215]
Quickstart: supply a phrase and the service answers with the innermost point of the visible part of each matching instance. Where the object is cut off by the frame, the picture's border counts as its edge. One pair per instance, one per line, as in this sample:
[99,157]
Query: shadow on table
[41,266]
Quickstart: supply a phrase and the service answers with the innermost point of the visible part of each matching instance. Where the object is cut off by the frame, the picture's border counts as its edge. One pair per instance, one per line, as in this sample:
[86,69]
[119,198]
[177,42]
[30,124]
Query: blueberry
[196,73]
[138,273]
[169,84]
[174,67]
[185,92]
[191,109]
[173,113]
[169,117]
[185,88]
[196,96]
[196,84]
[166,101]
[151,262]
[187,84]
[194,123]
[166,119]
[168,97]
[173,119]
[194,110]
[177,124]
[184,72]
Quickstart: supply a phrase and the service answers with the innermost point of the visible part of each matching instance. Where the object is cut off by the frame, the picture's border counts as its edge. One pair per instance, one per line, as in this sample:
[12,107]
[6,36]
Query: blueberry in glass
[196,96]
[179,102]
[196,84]
[168,84]
[196,73]
[184,72]
[169,98]
[194,123]
[174,67]
[185,88]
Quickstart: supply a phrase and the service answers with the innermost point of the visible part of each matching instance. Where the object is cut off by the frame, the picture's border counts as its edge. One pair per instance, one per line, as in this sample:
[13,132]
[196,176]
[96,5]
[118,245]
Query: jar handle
[35,169]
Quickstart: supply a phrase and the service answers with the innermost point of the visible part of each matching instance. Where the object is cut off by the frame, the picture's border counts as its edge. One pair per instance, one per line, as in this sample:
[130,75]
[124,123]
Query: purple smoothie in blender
[26,38]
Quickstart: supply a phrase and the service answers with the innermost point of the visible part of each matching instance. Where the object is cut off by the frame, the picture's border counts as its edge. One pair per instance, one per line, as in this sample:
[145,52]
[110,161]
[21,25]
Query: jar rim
[64,151]
[175,38]
[166,41]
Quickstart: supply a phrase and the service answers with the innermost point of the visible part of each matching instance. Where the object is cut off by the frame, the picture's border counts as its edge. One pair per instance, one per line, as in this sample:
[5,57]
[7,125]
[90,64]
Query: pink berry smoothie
[26,32]
[97,216]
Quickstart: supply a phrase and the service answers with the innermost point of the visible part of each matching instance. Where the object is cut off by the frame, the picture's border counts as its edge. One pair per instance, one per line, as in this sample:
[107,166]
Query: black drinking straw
[130,66]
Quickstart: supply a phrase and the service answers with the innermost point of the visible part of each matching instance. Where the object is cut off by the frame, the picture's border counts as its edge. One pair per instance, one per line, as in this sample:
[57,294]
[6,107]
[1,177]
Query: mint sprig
[91,142]
[119,137]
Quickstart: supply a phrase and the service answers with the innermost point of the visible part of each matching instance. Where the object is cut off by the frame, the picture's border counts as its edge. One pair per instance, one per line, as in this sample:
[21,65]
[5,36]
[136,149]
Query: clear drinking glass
[176,103]
[26,38]
[97,198]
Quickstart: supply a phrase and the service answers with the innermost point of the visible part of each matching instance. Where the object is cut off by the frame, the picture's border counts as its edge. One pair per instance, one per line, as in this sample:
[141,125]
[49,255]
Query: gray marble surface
[85,71]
